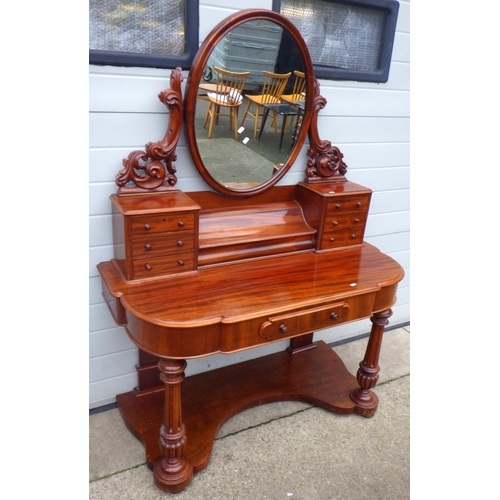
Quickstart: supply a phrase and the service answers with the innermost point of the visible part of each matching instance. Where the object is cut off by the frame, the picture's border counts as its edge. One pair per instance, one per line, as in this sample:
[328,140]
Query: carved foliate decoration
[326,161]
[153,169]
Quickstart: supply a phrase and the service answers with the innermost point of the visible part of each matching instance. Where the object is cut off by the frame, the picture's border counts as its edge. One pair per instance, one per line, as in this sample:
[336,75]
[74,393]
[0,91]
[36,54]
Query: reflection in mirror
[250,104]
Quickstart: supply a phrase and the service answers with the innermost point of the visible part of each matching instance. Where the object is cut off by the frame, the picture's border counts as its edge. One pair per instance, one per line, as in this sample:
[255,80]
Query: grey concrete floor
[287,450]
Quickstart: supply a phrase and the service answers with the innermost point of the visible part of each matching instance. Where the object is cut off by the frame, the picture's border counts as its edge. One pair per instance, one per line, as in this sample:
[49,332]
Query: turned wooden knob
[147,227]
[148,267]
[181,223]
[353,236]
[356,221]
[332,239]
[180,243]
[334,315]
[283,329]
[358,204]
[180,262]
[337,205]
[335,223]
[147,246]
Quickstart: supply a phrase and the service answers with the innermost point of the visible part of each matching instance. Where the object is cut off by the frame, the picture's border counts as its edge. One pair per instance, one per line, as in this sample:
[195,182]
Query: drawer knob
[353,236]
[180,243]
[332,239]
[181,223]
[337,205]
[283,329]
[147,227]
[148,267]
[180,262]
[334,315]
[358,204]
[147,246]
[335,223]
[356,221]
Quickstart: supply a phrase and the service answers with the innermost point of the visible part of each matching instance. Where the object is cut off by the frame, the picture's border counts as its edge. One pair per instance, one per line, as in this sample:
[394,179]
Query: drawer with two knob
[309,320]
[342,204]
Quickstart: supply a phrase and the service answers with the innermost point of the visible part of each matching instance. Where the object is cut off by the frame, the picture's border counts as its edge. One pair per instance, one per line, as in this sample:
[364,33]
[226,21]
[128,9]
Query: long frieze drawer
[287,325]
[162,223]
[349,236]
[167,264]
[348,204]
[158,243]
[338,221]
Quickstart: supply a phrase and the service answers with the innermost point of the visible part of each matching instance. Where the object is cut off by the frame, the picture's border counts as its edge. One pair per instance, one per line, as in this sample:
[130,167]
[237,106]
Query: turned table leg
[367,375]
[172,472]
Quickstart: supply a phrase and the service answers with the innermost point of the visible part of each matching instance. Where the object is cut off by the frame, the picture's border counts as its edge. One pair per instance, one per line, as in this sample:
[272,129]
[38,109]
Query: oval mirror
[248,102]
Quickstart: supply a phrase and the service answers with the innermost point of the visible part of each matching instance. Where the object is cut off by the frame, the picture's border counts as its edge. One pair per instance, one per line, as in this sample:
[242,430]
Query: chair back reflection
[226,99]
[272,89]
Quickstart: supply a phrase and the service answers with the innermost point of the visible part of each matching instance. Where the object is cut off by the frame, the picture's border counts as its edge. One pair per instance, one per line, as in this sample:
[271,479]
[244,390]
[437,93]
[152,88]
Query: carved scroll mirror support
[326,162]
[153,169]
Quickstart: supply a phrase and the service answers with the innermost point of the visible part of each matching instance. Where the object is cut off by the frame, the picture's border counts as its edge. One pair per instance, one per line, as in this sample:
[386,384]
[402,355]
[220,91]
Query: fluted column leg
[172,472]
[367,375]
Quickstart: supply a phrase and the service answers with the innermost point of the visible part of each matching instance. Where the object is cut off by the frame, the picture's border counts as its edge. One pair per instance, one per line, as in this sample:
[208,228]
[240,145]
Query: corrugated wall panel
[368,122]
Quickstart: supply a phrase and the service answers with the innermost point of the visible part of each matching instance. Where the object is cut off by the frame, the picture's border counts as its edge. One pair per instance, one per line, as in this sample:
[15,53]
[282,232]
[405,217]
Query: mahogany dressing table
[242,265]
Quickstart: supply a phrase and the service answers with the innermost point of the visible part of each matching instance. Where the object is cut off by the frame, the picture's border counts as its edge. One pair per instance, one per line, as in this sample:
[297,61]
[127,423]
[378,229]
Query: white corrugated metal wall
[369,122]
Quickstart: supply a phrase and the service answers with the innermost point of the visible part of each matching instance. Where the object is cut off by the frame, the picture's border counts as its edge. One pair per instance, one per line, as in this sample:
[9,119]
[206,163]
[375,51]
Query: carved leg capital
[172,472]
[368,371]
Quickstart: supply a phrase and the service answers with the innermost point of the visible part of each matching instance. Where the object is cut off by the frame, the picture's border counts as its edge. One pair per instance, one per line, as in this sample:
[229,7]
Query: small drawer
[349,236]
[159,243]
[340,221]
[162,223]
[167,264]
[288,325]
[348,204]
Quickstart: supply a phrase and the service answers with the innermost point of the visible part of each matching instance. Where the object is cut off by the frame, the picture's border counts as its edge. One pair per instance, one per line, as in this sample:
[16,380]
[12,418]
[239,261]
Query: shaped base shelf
[317,376]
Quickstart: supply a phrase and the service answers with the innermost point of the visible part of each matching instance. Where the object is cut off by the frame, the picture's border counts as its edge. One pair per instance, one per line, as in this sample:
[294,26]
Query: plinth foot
[174,476]
[366,402]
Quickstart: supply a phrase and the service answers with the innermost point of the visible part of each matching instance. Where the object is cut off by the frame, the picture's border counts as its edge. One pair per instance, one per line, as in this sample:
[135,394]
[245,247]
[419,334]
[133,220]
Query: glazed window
[347,39]
[143,32]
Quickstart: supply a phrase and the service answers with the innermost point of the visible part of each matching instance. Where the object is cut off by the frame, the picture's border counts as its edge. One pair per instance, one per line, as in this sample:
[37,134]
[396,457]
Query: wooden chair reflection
[273,87]
[299,89]
[228,95]
[298,94]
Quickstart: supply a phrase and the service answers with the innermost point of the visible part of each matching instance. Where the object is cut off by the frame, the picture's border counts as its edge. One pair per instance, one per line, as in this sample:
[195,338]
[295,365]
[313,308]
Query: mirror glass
[247,118]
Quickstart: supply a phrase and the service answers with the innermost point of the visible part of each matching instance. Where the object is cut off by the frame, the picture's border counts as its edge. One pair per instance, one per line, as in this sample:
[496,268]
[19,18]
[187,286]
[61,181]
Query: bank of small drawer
[341,221]
[348,204]
[162,223]
[166,264]
[288,325]
[160,243]
[343,237]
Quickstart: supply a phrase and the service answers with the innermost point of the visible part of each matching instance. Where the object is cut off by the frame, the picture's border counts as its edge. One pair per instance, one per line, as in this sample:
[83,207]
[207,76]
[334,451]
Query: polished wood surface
[201,273]
[258,272]
[223,307]
[260,230]
[210,399]
[250,293]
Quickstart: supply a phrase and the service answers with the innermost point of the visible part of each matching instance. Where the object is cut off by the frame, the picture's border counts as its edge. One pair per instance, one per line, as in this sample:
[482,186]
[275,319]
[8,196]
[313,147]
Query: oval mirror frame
[195,76]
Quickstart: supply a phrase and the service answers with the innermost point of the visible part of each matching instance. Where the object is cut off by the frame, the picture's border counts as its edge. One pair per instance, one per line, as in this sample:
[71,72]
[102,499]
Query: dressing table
[243,264]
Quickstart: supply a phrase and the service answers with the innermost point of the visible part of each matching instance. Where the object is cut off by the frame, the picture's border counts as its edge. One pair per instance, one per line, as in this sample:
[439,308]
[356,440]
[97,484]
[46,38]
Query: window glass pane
[338,35]
[138,26]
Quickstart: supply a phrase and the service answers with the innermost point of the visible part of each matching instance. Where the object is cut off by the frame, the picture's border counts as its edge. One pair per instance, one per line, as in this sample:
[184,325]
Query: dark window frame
[381,74]
[192,29]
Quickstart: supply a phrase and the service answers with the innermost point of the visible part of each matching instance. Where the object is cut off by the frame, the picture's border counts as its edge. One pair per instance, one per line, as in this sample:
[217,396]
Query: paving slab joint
[117,472]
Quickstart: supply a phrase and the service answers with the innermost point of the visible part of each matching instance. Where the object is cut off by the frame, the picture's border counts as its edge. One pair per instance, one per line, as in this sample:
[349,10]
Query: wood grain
[316,376]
